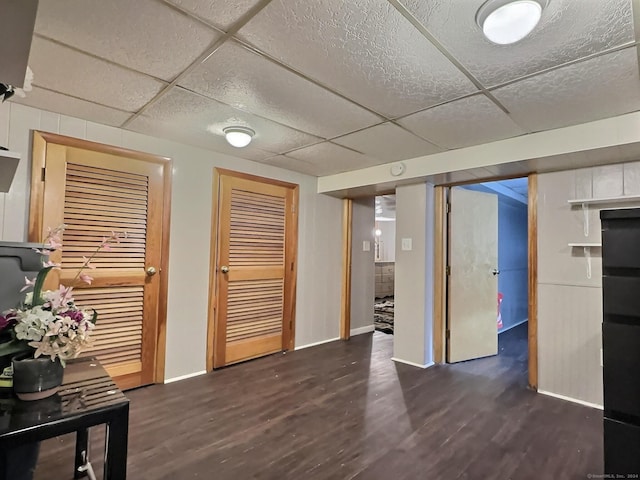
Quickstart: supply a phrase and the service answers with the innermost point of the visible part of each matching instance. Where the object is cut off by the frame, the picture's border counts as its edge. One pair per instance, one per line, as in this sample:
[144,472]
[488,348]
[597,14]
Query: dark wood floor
[345,411]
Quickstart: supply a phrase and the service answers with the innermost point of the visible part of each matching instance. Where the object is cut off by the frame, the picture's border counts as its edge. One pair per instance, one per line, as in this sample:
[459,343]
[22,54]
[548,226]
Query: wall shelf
[604,200]
[8,166]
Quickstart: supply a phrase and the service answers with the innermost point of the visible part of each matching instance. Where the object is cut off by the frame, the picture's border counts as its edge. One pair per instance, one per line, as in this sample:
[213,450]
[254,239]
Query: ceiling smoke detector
[238,136]
[508,21]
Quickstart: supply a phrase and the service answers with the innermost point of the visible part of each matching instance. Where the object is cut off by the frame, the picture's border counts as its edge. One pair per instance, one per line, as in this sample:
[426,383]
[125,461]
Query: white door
[473,280]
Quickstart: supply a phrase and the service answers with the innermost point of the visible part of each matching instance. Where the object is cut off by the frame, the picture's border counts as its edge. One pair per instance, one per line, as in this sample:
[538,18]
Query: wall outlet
[366,246]
[407,244]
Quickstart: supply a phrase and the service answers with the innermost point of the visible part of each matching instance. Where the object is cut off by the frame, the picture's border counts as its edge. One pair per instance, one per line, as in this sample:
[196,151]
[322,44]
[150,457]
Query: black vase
[36,378]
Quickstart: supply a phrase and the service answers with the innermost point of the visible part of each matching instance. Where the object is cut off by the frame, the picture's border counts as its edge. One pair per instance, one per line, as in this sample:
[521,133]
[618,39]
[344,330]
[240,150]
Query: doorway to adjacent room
[488,271]
[384,249]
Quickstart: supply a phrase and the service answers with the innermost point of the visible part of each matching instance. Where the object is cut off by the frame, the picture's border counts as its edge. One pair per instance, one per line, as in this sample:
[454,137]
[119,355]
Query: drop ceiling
[330,86]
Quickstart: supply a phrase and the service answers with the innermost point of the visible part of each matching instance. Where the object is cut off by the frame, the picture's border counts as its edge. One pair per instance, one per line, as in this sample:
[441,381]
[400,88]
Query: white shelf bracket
[587,256]
[585,213]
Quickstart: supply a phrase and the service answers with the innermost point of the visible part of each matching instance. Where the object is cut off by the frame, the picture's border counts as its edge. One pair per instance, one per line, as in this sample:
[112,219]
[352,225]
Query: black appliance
[621,339]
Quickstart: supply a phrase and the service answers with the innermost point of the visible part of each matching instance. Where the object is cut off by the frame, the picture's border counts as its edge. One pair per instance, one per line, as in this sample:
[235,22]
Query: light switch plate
[407,244]
[366,246]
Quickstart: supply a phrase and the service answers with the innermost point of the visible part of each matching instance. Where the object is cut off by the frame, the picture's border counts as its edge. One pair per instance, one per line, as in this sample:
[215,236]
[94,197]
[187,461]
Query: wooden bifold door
[94,190]
[253,270]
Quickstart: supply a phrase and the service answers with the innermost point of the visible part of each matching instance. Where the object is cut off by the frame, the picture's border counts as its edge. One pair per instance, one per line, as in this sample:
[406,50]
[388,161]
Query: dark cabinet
[621,339]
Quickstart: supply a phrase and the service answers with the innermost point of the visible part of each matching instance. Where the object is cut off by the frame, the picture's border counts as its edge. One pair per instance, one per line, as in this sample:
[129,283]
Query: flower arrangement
[49,322]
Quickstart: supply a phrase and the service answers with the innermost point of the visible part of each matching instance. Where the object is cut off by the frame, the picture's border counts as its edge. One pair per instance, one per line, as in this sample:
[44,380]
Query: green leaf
[37,288]
[13,347]
[94,319]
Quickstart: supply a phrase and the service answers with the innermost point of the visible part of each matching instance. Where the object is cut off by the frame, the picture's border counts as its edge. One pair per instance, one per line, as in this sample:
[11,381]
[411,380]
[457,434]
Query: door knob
[496,271]
[224,269]
[151,271]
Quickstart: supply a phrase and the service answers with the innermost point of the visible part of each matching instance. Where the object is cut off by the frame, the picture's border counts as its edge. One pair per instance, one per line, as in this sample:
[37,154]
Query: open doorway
[487,288]
[384,247]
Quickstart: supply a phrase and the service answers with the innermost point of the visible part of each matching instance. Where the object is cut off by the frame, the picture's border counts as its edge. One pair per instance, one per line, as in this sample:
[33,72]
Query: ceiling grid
[367,82]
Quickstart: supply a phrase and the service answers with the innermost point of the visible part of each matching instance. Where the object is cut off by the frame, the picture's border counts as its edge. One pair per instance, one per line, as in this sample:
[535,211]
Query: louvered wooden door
[255,271]
[94,194]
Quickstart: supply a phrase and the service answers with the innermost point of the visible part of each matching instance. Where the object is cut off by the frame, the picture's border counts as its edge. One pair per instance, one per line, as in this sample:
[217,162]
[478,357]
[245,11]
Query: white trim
[413,364]
[569,399]
[184,377]
[512,326]
[316,343]
[361,330]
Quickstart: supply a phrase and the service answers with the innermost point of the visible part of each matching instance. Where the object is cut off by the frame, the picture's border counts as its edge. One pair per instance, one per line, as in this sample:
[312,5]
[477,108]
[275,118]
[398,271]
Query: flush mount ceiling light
[509,21]
[238,136]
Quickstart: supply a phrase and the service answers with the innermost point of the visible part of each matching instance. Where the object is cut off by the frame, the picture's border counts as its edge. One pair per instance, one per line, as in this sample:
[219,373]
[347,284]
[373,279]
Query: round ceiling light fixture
[508,21]
[238,136]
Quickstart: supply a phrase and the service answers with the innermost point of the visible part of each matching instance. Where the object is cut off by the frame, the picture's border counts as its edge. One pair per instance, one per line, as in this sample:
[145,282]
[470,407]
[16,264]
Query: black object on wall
[621,339]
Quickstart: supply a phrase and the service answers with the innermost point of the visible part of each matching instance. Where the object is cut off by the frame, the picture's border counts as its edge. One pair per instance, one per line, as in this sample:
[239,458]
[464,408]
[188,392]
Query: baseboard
[513,326]
[361,330]
[316,343]
[569,399]
[184,377]
[406,362]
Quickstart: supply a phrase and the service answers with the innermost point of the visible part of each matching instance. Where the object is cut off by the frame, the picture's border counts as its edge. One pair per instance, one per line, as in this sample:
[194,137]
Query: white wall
[319,257]
[362,266]
[413,316]
[569,302]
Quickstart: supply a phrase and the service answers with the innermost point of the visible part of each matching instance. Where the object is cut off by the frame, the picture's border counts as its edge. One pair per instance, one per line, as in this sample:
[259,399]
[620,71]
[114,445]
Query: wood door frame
[345,302]
[440,277]
[291,252]
[36,204]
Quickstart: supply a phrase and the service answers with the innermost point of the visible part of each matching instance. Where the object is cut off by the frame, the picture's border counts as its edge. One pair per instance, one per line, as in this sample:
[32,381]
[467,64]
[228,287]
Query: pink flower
[62,297]
[51,264]
[86,278]
[105,245]
[28,283]
[7,320]
[54,243]
[87,264]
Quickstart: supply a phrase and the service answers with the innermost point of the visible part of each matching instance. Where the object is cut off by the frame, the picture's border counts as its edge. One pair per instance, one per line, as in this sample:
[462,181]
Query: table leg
[115,462]
[82,453]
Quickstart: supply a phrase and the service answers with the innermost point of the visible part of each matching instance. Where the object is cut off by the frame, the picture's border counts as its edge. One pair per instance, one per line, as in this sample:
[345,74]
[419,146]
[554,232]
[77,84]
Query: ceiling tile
[289,163]
[331,158]
[568,30]
[67,71]
[221,13]
[190,112]
[603,87]
[151,37]
[387,142]
[465,122]
[243,79]
[196,137]
[56,102]
[366,50]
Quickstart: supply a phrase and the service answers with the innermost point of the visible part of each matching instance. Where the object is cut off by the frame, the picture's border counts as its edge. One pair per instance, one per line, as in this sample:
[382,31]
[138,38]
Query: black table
[87,397]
